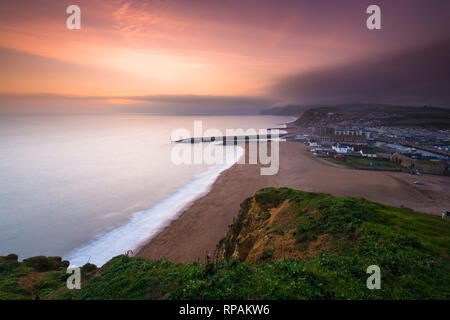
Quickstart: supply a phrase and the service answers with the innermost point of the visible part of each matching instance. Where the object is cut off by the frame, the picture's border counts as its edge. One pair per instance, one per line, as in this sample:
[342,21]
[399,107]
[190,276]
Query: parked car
[419,183]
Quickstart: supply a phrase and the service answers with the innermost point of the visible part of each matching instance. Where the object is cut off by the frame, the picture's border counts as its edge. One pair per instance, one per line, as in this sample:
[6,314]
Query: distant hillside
[386,115]
[298,109]
[283,244]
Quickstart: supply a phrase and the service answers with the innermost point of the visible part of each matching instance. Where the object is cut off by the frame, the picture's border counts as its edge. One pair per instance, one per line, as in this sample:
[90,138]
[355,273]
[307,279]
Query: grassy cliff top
[283,244]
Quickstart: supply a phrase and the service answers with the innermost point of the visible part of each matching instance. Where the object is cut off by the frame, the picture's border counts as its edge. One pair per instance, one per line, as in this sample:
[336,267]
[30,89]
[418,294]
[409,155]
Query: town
[378,138]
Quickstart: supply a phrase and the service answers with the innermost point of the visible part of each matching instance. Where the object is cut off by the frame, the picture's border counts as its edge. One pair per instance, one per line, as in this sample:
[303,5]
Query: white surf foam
[146,224]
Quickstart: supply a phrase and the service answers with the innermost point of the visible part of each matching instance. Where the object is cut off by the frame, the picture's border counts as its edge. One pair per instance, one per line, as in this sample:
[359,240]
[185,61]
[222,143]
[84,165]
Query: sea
[90,187]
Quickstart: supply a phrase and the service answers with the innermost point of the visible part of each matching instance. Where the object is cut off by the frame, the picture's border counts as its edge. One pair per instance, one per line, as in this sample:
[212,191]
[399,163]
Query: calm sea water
[90,187]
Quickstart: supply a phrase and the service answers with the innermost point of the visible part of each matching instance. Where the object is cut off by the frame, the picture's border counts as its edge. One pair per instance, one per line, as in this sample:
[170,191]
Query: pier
[234,139]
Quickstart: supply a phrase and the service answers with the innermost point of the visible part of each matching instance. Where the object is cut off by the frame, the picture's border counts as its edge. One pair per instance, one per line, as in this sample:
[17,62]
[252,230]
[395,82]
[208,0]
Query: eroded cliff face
[268,232]
[330,242]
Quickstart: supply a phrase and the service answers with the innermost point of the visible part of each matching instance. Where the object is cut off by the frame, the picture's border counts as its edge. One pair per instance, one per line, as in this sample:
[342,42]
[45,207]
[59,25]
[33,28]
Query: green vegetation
[364,163]
[33,278]
[380,150]
[412,249]
[41,263]
[402,116]
[441,123]
[10,272]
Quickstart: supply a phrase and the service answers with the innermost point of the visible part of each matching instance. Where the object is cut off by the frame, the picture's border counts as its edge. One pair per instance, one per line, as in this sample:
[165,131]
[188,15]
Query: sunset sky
[220,56]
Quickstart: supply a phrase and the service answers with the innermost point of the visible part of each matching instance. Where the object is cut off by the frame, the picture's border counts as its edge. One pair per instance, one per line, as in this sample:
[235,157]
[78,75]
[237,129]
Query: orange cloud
[184,47]
[152,45]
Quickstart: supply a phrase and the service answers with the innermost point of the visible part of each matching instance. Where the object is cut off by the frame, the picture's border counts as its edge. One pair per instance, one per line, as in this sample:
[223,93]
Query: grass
[10,272]
[380,150]
[358,163]
[441,123]
[411,248]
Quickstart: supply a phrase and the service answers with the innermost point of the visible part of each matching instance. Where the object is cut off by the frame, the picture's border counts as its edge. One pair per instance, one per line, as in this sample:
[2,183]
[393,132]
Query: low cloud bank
[417,77]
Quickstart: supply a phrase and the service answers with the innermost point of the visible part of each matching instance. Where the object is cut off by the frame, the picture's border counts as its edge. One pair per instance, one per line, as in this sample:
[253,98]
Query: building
[349,132]
[383,155]
[368,152]
[342,148]
[432,166]
[323,130]
[327,139]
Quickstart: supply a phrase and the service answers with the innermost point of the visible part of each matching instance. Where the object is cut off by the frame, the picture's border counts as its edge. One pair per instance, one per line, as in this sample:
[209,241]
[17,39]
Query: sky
[186,56]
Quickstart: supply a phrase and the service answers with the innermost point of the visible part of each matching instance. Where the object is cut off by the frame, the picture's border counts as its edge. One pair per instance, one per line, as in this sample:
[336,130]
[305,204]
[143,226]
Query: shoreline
[146,224]
[200,226]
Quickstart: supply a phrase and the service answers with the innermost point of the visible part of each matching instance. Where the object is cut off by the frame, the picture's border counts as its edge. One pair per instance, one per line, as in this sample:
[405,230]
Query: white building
[342,148]
[349,132]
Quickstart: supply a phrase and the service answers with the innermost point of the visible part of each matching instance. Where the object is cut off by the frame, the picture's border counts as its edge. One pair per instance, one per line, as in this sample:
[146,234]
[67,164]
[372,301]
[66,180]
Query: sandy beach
[199,228]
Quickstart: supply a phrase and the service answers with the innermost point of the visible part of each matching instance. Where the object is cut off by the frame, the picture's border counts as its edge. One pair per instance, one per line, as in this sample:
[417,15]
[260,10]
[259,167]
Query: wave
[144,225]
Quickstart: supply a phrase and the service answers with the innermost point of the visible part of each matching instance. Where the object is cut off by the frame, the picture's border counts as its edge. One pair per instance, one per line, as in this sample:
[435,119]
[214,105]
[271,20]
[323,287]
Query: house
[342,148]
[325,139]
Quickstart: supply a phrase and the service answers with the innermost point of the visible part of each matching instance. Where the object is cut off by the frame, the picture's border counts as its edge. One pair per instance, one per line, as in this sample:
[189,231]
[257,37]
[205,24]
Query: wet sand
[200,227]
